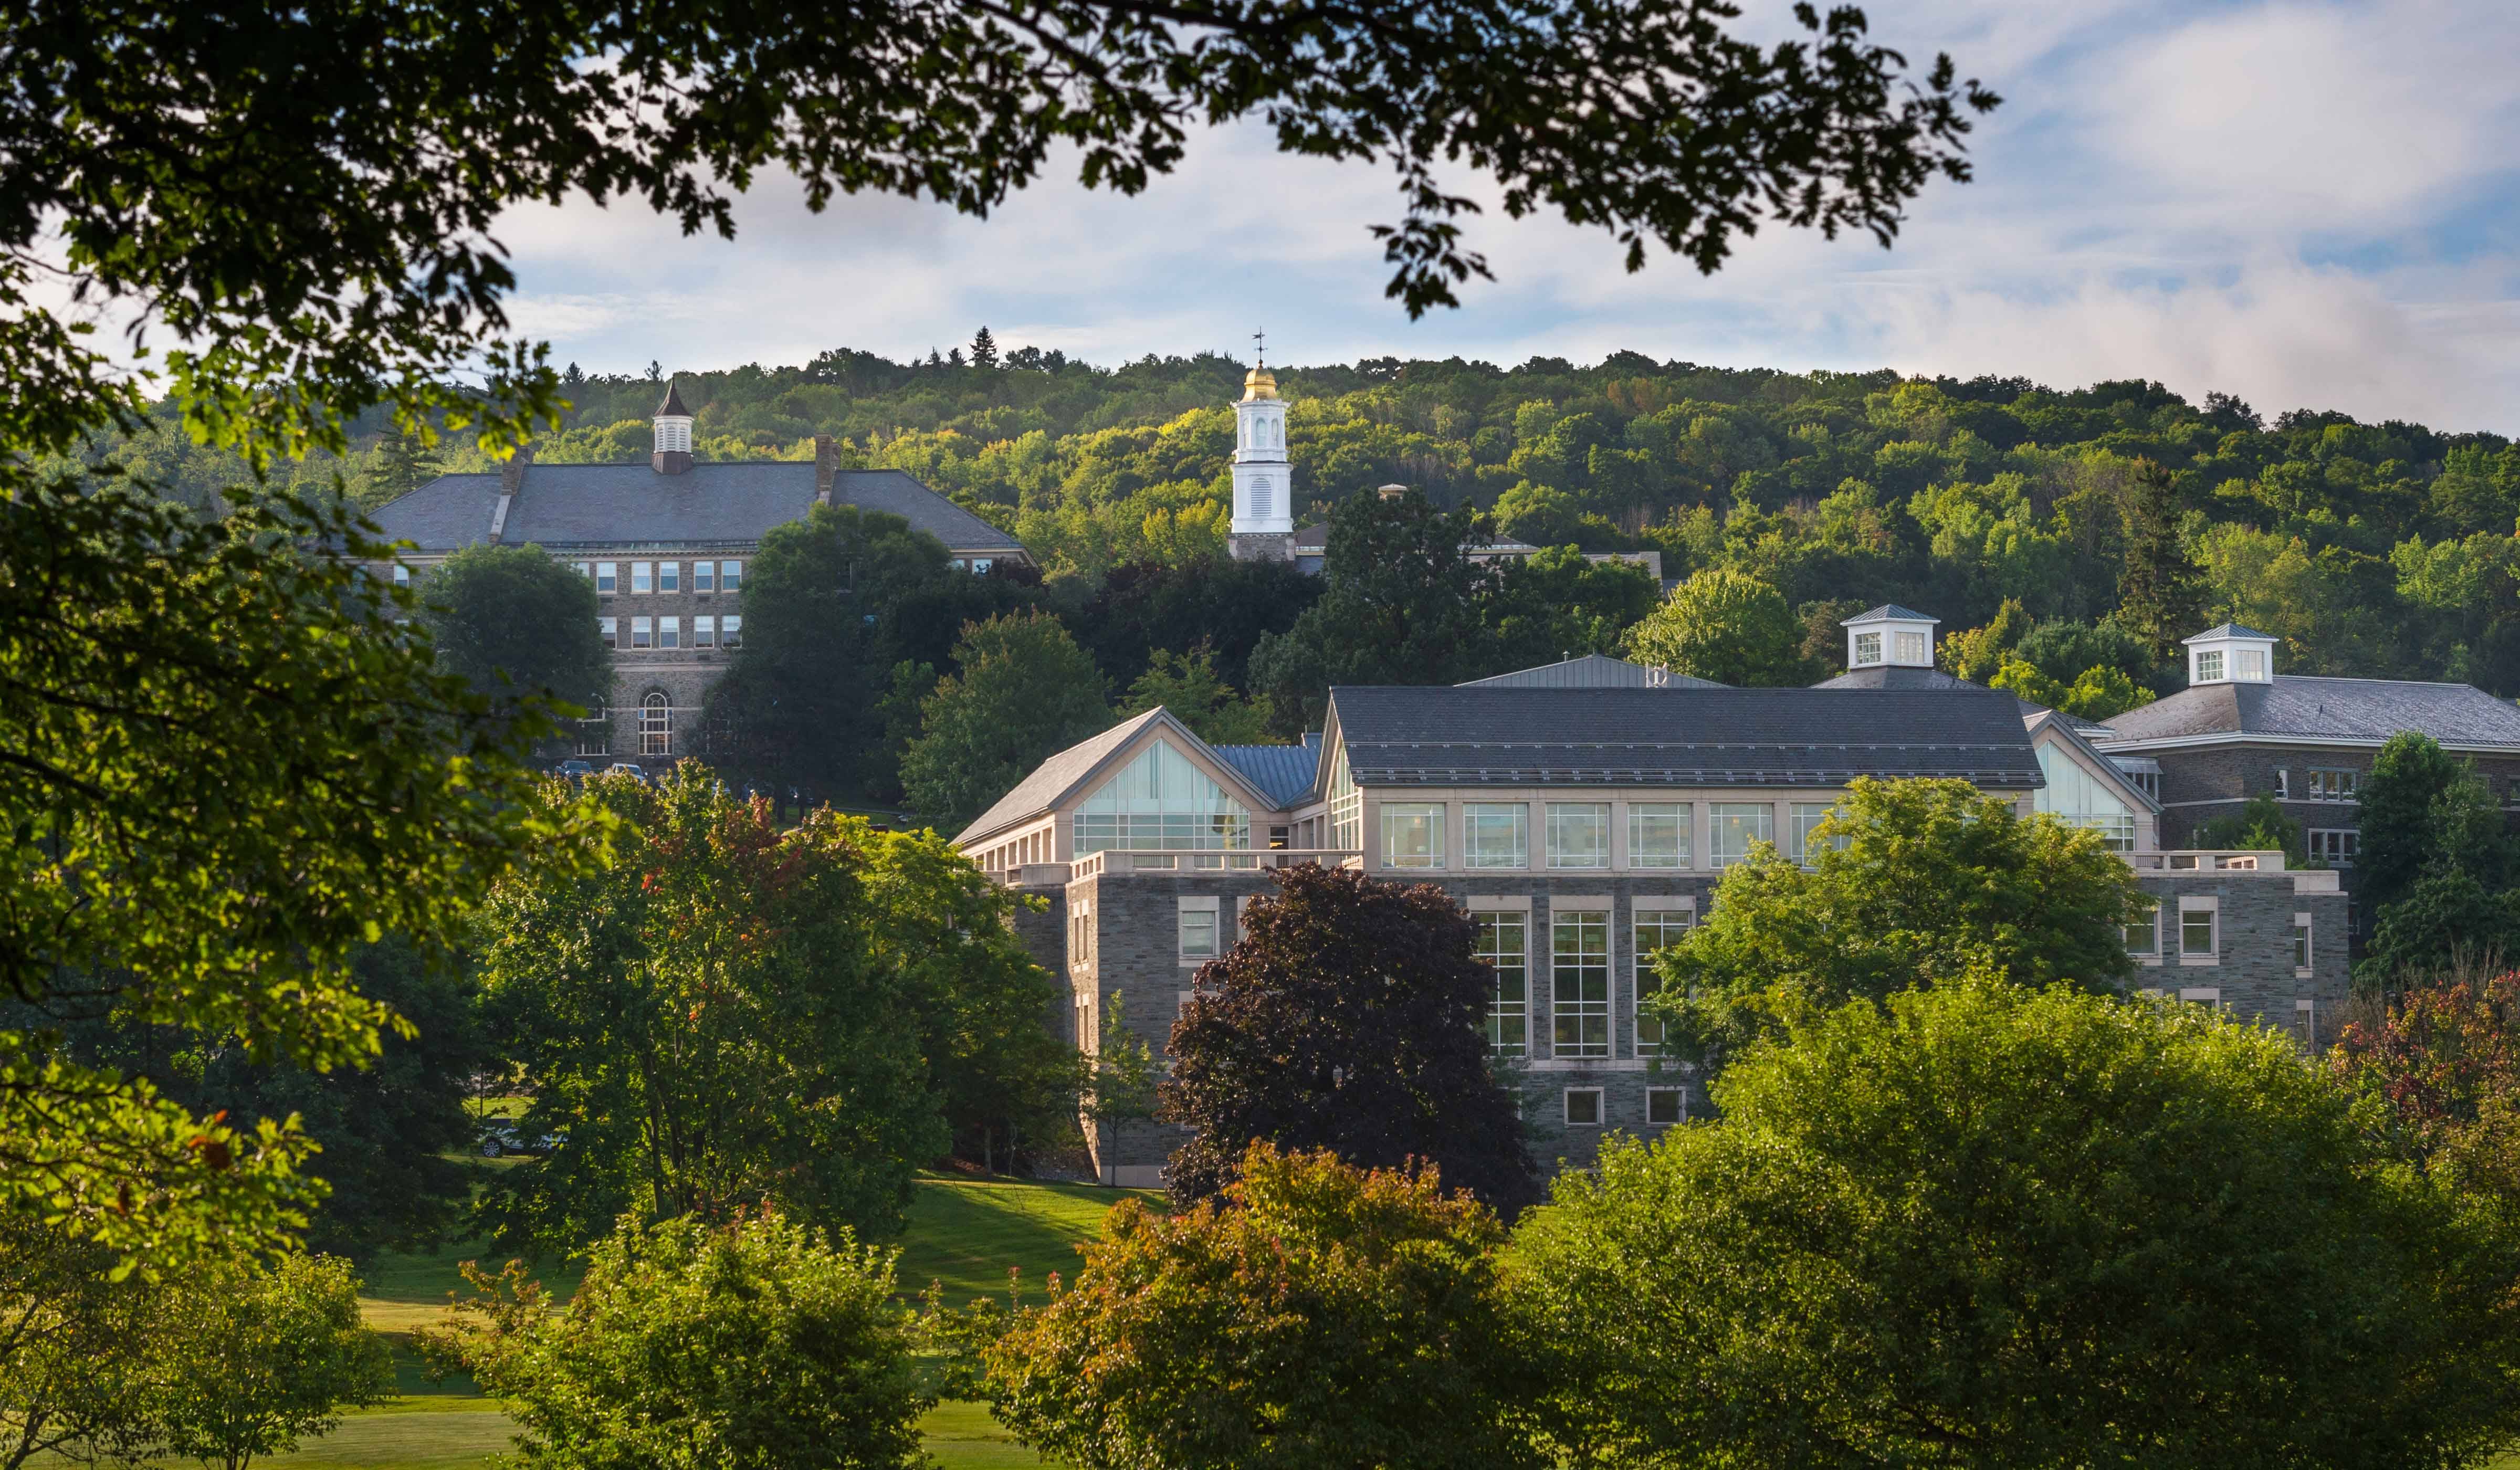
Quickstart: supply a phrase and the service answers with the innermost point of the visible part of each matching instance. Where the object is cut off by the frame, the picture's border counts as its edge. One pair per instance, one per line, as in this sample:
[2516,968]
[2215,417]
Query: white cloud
[2301,202]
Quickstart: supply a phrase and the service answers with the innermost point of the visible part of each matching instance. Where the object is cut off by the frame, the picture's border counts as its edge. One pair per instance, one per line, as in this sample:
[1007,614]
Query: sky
[2308,204]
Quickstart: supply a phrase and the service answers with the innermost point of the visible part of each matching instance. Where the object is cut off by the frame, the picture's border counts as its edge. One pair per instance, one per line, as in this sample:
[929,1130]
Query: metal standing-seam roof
[714,502]
[1703,737]
[2314,707]
[1888,612]
[1283,772]
[1592,671]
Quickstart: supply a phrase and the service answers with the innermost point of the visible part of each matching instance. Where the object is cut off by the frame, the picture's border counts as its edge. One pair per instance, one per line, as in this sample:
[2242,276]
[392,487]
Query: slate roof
[2231,630]
[1050,779]
[1889,612]
[1898,676]
[1722,737]
[2300,707]
[1283,772]
[709,503]
[1592,671]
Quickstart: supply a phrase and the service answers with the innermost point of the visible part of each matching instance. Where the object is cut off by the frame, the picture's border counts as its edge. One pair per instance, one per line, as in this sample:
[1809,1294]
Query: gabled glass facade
[1161,802]
[2078,798]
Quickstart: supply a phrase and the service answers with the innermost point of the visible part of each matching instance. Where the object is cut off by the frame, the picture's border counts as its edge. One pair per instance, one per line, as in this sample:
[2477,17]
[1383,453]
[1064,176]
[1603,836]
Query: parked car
[630,769]
[575,771]
[500,1135]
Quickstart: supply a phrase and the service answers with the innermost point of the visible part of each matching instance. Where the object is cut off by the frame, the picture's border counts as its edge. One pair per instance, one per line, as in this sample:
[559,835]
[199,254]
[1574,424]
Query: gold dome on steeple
[1259,382]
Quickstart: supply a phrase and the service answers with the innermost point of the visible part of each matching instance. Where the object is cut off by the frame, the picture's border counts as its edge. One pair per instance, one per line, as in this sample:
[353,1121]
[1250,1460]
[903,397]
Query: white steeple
[673,450]
[1264,512]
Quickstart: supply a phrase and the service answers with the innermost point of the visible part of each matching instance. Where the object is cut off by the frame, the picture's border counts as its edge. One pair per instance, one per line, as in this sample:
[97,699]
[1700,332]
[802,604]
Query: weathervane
[1260,347]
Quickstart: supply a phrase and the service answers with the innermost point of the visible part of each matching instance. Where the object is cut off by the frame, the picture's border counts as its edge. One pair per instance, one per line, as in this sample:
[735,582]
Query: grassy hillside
[963,1232]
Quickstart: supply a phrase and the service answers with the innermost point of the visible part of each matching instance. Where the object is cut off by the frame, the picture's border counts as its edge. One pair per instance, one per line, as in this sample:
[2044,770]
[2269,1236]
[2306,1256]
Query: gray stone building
[2241,729]
[666,545]
[1582,814]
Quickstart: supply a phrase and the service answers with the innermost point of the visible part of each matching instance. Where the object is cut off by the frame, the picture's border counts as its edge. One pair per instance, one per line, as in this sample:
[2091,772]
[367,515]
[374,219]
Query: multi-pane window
[1496,834]
[584,569]
[730,576]
[610,630]
[1911,647]
[1868,649]
[1578,997]
[1735,824]
[669,576]
[1161,802]
[2144,931]
[1198,935]
[1665,1107]
[704,631]
[1657,834]
[642,632]
[402,575]
[1579,834]
[656,725]
[643,577]
[2252,663]
[2197,932]
[1346,803]
[2332,844]
[730,632]
[2209,665]
[1808,816]
[1504,944]
[1584,1107]
[704,577]
[1656,928]
[2301,940]
[595,732]
[604,582]
[2305,1026]
[669,633]
[2332,786]
[1413,835]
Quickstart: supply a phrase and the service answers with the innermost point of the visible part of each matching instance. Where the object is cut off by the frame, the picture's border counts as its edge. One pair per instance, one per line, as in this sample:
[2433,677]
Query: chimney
[512,478]
[827,468]
[1391,492]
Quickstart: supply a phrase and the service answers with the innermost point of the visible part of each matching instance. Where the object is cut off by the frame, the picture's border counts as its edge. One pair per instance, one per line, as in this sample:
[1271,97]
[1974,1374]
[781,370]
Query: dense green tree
[1909,883]
[1400,602]
[73,1349]
[253,1360]
[1985,1226]
[1227,605]
[1350,1016]
[2260,823]
[2161,595]
[232,775]
[386,1131]
[801,704]
[401,461]
[1317,1314]
[1185,684]
[2424,811]
[517,627]
[1726,626]
[1555,605]
[736,1017]
[2445,918]
[758,1344]
[1024,691]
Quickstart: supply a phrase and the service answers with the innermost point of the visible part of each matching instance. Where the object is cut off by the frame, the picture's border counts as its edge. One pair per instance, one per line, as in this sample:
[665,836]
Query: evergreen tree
[401,463]
[984,349]
[2161,591]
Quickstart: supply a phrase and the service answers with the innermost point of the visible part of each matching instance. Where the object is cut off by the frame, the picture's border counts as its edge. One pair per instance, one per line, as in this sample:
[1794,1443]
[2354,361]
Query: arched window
[1260,498]
[656,726]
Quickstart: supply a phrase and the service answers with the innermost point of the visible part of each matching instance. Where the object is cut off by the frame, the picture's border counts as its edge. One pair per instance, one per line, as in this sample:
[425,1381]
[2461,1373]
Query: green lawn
[964,1232]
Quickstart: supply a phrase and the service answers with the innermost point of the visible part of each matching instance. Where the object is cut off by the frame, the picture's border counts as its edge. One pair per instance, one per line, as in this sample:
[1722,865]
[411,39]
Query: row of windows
[1579,978]
[2199,935]
[1664,1107]
[707,632]
[650,577]
[655,727]
[1910,648]
[2321,783]
[1576,834]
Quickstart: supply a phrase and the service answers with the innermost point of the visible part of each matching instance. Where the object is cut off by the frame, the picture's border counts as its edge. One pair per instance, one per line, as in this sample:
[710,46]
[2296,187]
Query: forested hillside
[2374,549]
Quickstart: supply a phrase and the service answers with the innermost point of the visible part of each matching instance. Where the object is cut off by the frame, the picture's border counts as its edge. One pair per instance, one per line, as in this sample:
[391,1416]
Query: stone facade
[628,730]
[1123,962]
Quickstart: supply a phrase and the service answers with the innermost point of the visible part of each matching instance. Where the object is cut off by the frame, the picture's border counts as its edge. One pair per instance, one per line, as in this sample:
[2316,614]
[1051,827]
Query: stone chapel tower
[1264,488]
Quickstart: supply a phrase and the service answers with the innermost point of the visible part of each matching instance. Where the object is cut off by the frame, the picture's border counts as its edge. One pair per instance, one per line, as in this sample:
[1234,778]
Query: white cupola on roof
[673,452]
[2231,654]
[1890,637]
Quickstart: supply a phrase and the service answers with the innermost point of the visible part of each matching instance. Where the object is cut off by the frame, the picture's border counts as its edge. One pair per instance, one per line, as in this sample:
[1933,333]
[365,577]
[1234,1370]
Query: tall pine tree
[984,349]
[2161,592]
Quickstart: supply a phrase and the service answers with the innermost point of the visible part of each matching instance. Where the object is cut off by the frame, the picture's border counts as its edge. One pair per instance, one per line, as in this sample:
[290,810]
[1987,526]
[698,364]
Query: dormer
[2231,654]
[1890,637]
[673,452]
